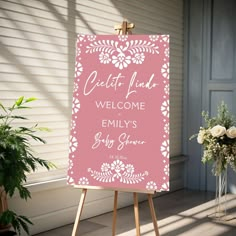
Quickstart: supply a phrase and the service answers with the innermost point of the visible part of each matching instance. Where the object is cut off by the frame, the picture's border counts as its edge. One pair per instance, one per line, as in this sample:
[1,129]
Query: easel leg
[153,214]
[136,214]
[114,214]
[79,212]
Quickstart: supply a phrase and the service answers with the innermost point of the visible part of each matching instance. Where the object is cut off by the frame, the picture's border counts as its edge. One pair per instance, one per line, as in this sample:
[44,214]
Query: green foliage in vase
[17,158]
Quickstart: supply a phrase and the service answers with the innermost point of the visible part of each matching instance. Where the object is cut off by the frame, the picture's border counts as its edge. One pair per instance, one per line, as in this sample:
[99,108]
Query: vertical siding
[37,41]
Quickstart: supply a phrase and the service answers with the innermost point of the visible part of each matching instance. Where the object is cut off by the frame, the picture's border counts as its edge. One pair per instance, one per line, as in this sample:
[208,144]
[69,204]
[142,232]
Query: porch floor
[186,213]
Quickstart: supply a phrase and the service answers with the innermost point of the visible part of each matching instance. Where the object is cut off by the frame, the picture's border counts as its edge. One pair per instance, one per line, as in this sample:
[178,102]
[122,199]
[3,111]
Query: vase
[221,197]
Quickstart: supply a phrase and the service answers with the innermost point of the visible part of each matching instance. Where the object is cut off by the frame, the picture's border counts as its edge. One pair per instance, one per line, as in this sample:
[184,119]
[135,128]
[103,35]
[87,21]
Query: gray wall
[210,77]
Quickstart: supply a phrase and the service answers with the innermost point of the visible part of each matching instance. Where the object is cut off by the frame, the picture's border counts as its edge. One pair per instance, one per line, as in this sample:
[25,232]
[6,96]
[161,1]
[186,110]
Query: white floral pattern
[123,37]
[78,69]
[122,56]
[165,187]
[72,124]
[165,38]
[78,51]
[80,38]
[76,87]
[167,51]
[117,166]
[75,105]
[73,144]
[117,171]
[71,164]
[151,186]
[165,108]
[129,168]
[167,128]
[70,180]
[165,70]
[138,58]
[165,148]
[105,167]
[154,37]
[167,89]
[91,37]
[83,181]
[104,58]
[166,170]
[121,61]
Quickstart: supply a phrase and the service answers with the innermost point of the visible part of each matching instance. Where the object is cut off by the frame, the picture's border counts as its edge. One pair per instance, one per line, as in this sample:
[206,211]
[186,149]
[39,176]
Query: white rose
[231,132]
[200,137]
[218,131]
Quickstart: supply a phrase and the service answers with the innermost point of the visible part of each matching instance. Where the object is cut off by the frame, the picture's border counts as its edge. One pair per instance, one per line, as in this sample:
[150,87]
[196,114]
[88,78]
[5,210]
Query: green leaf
[43,129]
[23,107]
[24,225]
[19,101]
[1,105]
[18,117]
[30,99]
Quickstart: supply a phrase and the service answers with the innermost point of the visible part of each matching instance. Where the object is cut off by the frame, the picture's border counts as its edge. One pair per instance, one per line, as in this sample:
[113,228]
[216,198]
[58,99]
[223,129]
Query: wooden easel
[123,29]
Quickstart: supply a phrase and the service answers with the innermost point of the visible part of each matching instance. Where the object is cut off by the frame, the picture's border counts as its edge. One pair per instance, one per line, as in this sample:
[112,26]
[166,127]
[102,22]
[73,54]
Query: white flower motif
[165,38]
[117,166]
[153,37]
[80,38]
[165,148]
[70,180]
[71,164]
[167,128]
[121,61]
[166,170]
[75,105]
[218,131]
[83,181]
[165,187]
[167,52]
[78,69]
[231,132]
[76,87]
[104,58]
[72,124]
[78,51]
[165,70]
[123,37]
[138,58]
[105,167]
[130,168]
[73,144]
[151,185]
[167,89]
[165,108]
[91,37]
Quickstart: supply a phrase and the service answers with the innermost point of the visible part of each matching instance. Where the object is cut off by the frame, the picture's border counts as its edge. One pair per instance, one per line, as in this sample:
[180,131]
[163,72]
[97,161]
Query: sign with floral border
[120,113]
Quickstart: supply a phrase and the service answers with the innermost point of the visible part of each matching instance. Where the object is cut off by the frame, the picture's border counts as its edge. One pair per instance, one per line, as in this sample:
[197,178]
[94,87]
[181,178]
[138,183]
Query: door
[211,75]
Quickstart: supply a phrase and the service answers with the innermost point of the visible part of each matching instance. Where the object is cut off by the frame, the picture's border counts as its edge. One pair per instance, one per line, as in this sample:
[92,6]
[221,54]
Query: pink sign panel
[120,113]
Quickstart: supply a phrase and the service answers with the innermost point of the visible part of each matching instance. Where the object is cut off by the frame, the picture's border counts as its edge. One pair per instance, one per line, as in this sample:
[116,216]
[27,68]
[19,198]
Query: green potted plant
[16,160]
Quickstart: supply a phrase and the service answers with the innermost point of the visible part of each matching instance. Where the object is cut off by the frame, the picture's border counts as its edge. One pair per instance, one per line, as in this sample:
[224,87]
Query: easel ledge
[124,28]
[113,189]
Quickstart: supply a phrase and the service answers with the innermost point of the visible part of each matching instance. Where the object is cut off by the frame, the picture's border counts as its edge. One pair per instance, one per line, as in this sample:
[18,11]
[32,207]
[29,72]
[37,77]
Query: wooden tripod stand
[136,213]
[123,29]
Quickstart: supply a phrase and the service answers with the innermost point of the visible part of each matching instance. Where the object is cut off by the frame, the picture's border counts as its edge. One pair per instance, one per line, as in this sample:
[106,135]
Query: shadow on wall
[41,49]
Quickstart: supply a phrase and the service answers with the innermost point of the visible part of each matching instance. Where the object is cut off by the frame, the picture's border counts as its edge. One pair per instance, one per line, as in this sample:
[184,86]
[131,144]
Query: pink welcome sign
[120,113]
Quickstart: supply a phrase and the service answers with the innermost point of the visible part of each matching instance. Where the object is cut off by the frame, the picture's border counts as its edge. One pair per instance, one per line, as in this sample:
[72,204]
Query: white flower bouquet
[218,139]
